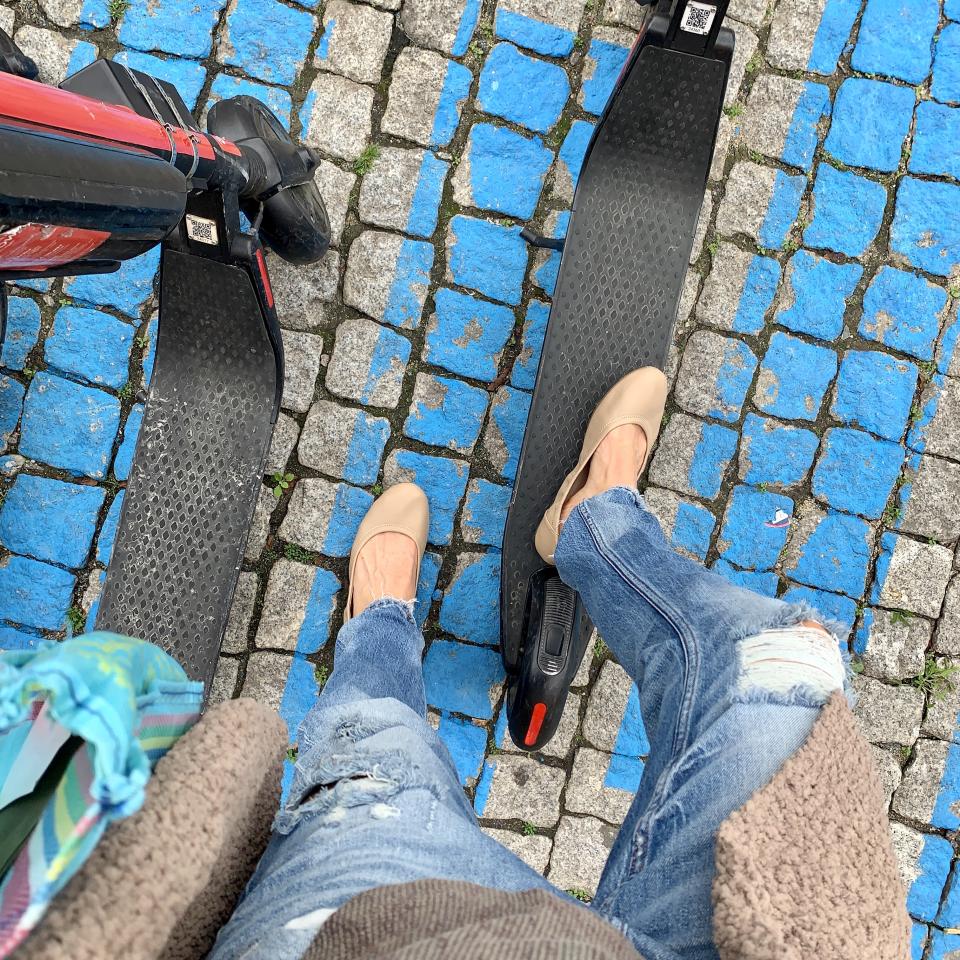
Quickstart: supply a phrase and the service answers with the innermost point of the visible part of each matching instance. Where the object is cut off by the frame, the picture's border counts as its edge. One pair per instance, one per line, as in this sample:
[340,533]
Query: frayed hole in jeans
[801,664]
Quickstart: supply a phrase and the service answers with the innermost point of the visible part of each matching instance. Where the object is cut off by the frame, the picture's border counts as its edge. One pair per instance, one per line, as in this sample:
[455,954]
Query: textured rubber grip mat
[198,466]
[621,275]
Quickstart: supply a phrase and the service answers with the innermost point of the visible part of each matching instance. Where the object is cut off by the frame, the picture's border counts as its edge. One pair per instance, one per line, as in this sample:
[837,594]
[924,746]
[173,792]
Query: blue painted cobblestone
[605,60]
[23,328]
[12,394]
[443,480]
[188,76]
[776,453]
[820,290]
[471,603]
[467,744]
[522,89]
[753,535]
[108,532]
[462,678]
[50,520]
[834,606]
[926,225]
[794,377]
[835,555]
[847,210]
[446,413]
[487,257]
[124,290]
[466,334]
[870,123]
[90,345]
[692,528]
[875,391]
[895,39]
[527,362]
[946,66]
[226,86]
[69,426]
[782,210]
[34,594]
[508,419]
[766,583]
[546,38]
[903,310]
[485,513]
[161,25]
[124,458]
[506,170]
[759,289]
[856,472]
[574,149]
[290,32]
[937,130]
[830,40]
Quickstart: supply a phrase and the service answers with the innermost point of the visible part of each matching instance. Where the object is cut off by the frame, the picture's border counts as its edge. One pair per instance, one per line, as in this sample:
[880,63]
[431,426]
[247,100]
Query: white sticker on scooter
[698,18]
[202,230]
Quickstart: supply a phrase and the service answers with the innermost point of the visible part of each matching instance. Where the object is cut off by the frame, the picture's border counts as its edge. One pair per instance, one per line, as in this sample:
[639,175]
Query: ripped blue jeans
[730,686]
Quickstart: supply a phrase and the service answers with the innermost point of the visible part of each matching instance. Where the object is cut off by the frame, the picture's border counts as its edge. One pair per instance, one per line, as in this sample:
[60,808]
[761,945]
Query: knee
[801,664]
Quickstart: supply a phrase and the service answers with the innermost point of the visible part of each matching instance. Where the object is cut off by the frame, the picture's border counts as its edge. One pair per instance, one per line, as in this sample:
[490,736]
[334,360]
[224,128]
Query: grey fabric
[448,920]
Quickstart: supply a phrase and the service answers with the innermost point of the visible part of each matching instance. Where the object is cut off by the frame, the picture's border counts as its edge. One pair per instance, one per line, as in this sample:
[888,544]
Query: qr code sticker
[202,230]
[698,18]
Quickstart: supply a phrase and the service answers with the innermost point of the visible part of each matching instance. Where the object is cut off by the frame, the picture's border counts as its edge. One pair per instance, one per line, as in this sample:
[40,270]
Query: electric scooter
[621,274]
[100,170]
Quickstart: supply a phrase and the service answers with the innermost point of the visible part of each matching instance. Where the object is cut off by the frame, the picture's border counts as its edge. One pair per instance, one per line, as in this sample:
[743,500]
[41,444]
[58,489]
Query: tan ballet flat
[401,509]
[638,398]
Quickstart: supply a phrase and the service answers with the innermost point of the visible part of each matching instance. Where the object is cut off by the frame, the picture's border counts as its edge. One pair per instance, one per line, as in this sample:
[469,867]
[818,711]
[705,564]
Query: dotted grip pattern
[622,272]
[197,470]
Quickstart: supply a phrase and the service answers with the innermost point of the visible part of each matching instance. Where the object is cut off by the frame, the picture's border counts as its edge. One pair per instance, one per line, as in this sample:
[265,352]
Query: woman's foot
[615,448]
[617,462]
[386,554]
[386,566]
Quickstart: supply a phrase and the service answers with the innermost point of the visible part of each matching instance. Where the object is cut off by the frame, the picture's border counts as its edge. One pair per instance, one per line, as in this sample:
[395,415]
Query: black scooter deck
[198,465]
[621,276]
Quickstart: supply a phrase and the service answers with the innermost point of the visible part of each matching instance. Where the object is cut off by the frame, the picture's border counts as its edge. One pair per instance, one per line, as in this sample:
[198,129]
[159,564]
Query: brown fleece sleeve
[805,868]
[160,884]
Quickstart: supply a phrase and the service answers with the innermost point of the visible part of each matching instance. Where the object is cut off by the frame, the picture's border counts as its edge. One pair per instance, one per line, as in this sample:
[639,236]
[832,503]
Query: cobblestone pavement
[812,448]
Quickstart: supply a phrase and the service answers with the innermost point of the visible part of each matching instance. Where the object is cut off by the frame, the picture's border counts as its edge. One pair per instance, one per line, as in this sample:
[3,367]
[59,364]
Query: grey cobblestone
[7,16]
[433,23]
[358,41]
[562,742]
[418,77]
[676,448]
[48,49]
[720,299]
[888,714]
[303,293]
[625,13]
[907,847]
[917,794]
[947,638]
[725,132]
[664,505]
[241,612]
[282,442]
[889,769]
[308,515]
[895,646]
[606,706]
[917,577]
[697,390]
[341,116]
[327,437]
[260,525]
[794,23]
[524,789]
[751,12]
[953,362]
[368,283]
[301,366]
[335,186]
[534,850]
[387,191]
[703,220]
[766,122]
[563,13]
[744,205]
[266,675]
[64,13]
[580,850]
[224,681]
[349,365]
[743,51]
[933,509]
[586,792]
[944,707]
[285,604]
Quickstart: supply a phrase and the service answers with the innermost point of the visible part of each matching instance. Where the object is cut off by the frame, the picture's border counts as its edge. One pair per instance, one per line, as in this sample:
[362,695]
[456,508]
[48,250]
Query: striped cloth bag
[124,703]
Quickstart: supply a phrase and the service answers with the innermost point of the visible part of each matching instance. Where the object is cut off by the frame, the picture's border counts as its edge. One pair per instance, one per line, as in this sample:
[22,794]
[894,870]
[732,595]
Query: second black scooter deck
[196,474]
[621,275]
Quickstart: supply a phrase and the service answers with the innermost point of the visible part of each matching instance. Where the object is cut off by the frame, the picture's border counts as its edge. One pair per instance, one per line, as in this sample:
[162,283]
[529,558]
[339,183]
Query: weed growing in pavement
[936,679]
[364,163]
